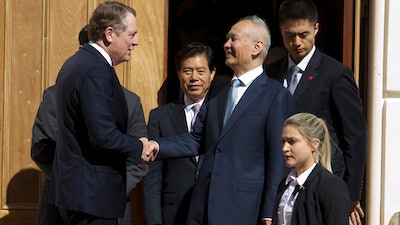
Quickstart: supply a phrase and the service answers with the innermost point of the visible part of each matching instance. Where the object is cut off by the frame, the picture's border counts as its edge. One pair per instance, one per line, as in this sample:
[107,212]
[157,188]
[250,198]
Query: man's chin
[229,61]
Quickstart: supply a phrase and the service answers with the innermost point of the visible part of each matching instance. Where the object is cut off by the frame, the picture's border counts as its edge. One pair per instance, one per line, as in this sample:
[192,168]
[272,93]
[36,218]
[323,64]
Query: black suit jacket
[89,172]
[322,200]
[168,185]
[327,89]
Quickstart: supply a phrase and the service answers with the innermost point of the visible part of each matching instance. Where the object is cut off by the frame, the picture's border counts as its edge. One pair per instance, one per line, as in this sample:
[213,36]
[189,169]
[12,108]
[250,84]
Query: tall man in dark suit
[242,165]
[44,132]
[88,179]
[43,148]
[327,89]
[169,183]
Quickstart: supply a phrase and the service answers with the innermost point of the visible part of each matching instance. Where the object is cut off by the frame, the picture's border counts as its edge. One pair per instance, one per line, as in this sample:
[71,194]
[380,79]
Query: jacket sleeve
[44,132]
[152,182]
[352,127]
[334,200]
[276,169]
[136,128]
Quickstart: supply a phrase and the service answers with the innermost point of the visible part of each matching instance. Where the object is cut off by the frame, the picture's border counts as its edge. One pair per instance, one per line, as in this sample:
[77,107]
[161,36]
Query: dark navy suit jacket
[243,162]
[44,132]
[327,89]
[89,173]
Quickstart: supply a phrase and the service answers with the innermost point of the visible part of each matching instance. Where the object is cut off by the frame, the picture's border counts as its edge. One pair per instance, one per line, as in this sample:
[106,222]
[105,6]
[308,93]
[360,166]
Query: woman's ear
[315,144]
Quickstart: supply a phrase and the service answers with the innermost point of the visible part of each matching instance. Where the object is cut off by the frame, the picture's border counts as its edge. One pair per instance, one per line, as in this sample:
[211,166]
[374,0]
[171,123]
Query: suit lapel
[313,175]
[247,99]
[309,75]
[222,98]
[176,114]
[180,125]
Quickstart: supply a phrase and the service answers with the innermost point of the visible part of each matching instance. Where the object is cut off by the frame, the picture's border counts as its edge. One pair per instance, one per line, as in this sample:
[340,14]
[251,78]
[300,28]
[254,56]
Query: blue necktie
[230,103]
[294,70]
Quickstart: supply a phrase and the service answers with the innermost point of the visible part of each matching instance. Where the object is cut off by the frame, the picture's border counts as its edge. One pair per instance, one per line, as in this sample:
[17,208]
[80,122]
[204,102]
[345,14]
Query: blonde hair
[312,127]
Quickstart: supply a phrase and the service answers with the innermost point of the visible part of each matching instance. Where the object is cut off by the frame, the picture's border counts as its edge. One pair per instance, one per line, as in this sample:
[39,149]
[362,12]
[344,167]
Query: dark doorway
[209,20]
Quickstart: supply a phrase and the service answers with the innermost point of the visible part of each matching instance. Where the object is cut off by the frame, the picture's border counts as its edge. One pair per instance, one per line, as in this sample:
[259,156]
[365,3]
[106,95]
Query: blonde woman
[310,194]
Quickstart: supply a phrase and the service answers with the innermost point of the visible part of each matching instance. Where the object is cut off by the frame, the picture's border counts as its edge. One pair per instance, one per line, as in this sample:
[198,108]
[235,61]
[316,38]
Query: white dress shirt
[289,197]
[302,65]
[247,79]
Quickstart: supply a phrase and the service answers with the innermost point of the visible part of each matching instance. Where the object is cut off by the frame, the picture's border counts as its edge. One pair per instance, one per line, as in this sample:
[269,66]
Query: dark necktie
[230,103]
[295,191]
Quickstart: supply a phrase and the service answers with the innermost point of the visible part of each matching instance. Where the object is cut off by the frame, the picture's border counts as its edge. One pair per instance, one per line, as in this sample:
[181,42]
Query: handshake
[150,150]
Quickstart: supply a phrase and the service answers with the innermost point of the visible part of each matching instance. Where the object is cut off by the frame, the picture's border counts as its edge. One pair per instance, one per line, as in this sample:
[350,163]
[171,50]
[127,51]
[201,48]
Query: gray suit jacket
[137,128]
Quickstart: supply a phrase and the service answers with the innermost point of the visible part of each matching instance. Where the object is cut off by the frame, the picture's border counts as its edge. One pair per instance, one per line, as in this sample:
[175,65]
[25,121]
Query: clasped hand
[356,213]
[150,150]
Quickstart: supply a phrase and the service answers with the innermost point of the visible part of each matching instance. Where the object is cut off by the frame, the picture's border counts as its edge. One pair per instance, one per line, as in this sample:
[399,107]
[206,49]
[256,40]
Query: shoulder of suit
[326,176]
[129,93]
[168,107]
[221,79]
[276,69]
[93,56]
[329,60]
[50,90]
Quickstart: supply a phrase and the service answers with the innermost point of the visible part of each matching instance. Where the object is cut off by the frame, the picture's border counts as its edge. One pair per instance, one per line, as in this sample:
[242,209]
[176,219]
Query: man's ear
[258,47]
[108,34]
[316,28]
[213,73]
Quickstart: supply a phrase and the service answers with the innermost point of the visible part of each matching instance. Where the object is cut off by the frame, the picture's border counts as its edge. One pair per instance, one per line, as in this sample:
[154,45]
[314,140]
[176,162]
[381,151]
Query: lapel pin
[309,78]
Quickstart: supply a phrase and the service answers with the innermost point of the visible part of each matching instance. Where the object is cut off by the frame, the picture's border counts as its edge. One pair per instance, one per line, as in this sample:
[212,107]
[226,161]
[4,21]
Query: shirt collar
[301,179]
[102,51]
[249,76]
[304,62]
[189,103]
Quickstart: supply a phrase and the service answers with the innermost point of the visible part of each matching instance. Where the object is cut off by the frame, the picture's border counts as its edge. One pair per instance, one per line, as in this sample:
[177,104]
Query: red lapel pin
[309,78]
